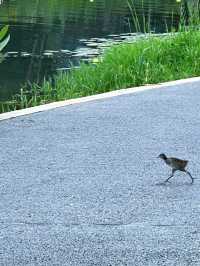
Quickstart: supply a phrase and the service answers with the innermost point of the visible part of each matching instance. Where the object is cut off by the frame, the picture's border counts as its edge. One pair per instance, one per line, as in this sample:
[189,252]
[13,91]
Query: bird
[176,165]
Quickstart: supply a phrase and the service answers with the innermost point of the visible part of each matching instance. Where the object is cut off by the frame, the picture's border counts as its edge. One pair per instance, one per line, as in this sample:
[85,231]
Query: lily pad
[66,51]
[25,54]
[48,54]
[51,51]
[11,54]
[92,44]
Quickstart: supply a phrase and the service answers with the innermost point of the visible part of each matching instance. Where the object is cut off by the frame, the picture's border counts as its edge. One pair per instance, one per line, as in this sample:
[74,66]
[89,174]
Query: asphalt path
[80,185]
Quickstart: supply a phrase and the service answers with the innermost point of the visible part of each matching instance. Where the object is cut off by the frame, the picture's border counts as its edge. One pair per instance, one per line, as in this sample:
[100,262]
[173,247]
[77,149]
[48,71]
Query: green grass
[147,61]
[151,60]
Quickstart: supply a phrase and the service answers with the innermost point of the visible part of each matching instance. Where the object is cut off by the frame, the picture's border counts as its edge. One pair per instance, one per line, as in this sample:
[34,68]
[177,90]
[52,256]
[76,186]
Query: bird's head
[162,156]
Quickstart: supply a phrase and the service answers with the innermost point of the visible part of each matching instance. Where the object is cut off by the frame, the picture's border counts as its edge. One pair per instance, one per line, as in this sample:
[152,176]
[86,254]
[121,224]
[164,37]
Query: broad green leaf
[4,42]
[3,32]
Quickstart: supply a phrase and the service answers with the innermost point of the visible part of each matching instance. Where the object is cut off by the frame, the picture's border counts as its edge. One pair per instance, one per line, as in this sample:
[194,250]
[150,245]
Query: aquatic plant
[4,37]
[150,59]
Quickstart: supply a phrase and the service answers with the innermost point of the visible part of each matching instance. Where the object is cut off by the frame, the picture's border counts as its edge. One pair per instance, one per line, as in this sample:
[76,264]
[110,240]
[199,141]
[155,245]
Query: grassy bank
[149,60]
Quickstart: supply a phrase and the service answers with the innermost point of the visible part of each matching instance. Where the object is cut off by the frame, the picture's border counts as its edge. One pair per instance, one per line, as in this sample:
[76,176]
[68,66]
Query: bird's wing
[180,162]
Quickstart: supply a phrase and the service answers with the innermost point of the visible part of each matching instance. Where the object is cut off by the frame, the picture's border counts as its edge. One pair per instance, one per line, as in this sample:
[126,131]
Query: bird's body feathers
[176,163]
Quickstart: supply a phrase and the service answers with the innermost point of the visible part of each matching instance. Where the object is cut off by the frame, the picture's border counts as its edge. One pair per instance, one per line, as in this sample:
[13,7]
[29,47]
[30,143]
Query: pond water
[37,26]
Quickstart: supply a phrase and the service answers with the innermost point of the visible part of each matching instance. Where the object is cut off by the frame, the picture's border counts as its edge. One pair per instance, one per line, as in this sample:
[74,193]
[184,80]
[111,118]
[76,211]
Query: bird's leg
[167,180]
[189,176]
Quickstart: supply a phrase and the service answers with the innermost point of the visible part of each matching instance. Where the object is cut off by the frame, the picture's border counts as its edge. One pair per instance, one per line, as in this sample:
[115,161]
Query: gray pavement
[78,184]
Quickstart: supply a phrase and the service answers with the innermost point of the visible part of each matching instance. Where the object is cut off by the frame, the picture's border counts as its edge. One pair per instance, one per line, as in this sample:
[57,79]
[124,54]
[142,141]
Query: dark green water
[38,25]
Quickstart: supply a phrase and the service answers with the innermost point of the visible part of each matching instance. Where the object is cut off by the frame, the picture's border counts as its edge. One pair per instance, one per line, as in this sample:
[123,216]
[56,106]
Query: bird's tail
[185,163]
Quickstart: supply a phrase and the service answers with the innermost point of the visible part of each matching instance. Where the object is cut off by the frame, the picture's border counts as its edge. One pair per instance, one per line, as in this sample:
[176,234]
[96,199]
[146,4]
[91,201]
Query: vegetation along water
[84,47]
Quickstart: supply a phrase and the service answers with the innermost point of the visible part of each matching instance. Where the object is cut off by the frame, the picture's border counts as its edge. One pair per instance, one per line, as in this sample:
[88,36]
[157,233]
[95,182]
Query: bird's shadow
[169,184]
[161,184]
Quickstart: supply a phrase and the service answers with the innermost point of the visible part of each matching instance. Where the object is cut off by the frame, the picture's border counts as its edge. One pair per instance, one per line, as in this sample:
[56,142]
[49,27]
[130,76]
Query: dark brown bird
[176,165]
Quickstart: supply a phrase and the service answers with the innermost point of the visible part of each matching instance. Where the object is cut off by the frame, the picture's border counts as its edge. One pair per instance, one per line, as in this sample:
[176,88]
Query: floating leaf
[95,60]
[3,32]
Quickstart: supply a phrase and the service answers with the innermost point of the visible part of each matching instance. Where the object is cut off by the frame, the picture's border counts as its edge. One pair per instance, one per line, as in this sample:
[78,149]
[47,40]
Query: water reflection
[36,26]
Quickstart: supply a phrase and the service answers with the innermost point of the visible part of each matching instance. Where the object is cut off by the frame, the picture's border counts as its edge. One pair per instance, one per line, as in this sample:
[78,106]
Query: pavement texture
[80,185]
